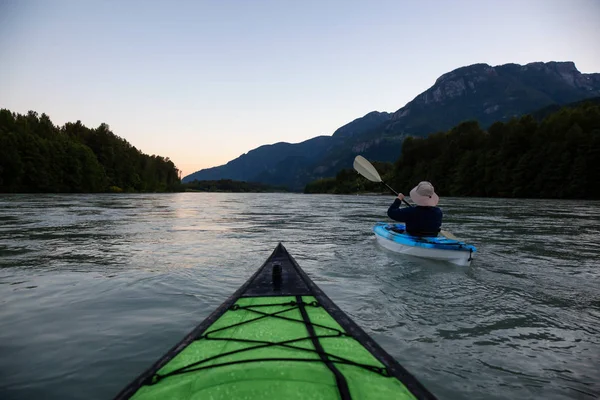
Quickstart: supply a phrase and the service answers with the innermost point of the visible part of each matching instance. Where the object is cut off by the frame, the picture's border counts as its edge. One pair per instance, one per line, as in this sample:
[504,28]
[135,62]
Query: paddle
[366,169]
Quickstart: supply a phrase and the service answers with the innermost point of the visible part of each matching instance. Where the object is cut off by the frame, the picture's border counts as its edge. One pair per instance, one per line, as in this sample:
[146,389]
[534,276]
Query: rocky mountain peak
[484,82]
[562,66]
[453,84]
[465,72]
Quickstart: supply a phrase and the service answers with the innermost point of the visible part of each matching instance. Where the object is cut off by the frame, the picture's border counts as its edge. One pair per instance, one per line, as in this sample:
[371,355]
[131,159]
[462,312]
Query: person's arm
[395,212]
[440,216]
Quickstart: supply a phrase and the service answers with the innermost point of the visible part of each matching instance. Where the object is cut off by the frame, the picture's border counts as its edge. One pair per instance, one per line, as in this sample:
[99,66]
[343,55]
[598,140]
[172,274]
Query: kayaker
[423,220]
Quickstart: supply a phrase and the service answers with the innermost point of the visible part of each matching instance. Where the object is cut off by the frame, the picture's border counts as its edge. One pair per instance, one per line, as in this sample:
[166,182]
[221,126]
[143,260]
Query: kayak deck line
[298,304]
[277,336]
[340,380]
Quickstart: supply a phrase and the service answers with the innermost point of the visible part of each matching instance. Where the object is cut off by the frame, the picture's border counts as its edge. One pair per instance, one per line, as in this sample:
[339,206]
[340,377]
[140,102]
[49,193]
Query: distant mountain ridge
[489,94]
[363,124]
[477,92]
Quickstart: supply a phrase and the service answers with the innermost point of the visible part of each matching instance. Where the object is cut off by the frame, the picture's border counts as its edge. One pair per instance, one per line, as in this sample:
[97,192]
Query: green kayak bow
[277,337]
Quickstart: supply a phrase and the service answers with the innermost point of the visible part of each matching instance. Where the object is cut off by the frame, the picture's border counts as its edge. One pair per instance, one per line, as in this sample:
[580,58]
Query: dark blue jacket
[420,221]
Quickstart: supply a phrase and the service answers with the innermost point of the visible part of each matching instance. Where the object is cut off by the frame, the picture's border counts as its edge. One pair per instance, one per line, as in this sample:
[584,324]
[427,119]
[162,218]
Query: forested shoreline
[558,157]
[230,186]
[38,157]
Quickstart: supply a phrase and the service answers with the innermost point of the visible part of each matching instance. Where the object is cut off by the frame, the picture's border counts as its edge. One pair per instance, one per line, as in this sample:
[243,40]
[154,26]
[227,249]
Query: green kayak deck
[278,336]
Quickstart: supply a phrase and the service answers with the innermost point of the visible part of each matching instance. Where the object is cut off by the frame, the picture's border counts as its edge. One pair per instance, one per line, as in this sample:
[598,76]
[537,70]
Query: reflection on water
[94,288]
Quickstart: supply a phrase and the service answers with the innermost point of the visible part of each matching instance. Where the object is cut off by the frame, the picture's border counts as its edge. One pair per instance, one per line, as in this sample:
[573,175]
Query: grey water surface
[95,288]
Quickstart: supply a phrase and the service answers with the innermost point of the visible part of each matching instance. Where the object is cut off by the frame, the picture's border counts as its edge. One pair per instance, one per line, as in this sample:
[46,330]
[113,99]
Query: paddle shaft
[396,193]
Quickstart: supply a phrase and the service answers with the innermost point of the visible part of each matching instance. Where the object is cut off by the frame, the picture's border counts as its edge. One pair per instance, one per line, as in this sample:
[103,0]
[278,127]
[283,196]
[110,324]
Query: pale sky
[203,82]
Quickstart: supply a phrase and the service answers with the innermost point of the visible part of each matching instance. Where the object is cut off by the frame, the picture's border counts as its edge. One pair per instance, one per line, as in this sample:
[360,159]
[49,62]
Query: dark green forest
[228,185]
[557,157]
[38,157]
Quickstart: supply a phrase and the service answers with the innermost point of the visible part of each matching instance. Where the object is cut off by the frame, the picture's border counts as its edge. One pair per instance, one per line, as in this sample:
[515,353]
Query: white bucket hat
[424,195]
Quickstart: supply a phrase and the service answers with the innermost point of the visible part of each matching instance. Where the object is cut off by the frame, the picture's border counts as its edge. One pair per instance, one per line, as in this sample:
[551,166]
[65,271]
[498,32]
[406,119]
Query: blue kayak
[394,237]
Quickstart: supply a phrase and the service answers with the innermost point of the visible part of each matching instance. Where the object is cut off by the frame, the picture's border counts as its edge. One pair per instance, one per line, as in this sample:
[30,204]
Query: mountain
[362,125]
[542,113]
[489,94]
[279,164]
[287,164]
[477,92]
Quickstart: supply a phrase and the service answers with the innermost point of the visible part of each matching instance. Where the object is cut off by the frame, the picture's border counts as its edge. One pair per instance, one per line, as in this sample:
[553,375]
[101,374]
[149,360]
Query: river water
[94,288]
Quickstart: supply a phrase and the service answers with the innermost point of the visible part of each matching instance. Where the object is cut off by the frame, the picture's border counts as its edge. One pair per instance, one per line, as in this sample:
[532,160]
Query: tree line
[557,157]
[228,185]
[37,156]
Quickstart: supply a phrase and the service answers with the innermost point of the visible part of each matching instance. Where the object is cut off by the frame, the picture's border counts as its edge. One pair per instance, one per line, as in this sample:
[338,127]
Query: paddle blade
[448,235]
[366,169]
